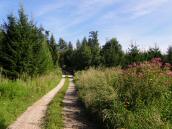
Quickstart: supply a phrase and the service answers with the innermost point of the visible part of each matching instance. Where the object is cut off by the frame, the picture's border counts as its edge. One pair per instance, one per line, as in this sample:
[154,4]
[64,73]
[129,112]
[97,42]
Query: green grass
[16,96]
[54,117]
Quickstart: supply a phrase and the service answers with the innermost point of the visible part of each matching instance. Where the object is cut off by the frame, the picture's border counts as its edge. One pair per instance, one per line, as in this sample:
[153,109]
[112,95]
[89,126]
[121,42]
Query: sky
[143,22]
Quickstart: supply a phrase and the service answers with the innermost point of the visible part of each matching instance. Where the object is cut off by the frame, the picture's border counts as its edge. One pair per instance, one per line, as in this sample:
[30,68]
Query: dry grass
[135,98]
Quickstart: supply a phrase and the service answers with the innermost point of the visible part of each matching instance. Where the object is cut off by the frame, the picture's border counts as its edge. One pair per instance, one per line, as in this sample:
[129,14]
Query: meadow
[137,97]
[17,95]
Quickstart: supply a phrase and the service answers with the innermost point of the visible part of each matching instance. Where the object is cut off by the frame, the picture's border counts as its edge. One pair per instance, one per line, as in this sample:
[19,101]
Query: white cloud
[110,19]
[144,7]
[82,11]
[51,7]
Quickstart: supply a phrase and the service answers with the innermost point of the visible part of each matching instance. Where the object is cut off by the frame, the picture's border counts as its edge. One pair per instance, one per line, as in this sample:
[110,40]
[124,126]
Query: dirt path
[31,118]
[73,111]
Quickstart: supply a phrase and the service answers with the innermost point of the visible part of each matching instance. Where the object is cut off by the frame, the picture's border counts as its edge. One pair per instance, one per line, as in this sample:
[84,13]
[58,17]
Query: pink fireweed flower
[134,64]
[167,65]
[169,73]
[156,60]
[129,66]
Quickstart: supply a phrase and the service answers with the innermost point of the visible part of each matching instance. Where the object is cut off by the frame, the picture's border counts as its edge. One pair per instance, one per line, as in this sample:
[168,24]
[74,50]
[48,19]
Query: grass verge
[16,96]
[54,118]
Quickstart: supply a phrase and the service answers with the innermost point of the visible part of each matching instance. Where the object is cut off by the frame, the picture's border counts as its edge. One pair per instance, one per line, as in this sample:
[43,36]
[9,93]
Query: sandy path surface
[74,117]
[31,118]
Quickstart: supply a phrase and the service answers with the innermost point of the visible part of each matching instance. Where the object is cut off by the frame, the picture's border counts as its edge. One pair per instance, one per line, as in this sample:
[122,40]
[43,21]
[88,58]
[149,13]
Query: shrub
[138,97]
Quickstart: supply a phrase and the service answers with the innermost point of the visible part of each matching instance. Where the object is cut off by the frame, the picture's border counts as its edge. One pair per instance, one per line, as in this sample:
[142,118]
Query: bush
[138,97]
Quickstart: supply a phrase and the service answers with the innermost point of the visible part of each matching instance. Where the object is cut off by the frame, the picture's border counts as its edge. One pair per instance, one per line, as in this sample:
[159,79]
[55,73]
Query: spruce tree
[62,45]
[9,56]
[169,55]
[95,48]
[70,46]
[24,49]
[154,53]
[78,44]
[54,50]
[68,56]
[112,53]
[84,56]
[133,55]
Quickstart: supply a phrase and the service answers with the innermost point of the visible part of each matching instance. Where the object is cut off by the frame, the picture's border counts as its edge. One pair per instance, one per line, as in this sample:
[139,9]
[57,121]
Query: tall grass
[139,97]
[16,96]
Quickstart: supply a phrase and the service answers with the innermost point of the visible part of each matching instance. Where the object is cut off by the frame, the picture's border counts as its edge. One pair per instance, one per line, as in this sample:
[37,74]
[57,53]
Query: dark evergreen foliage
[62,45]
[95,48]
[54,50]
[133,55]
[112,54]
[154,53]
[27,49]
[24,48]
[169,55]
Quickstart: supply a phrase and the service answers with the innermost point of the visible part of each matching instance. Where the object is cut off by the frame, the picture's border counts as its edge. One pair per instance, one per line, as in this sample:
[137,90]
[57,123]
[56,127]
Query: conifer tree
[169,55]
[154,53]
[24,49]
[68,56]
[112,53]
[62,45]
[78,44]
[133,55]
[95,48]
[54,50]
[70,46]
[84,55]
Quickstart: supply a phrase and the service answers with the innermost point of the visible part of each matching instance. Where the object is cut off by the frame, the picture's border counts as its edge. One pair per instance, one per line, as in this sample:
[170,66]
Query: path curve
[31,118]
[74,115]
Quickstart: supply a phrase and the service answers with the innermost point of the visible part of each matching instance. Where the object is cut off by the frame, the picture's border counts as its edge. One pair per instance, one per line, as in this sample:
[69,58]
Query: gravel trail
[73,111]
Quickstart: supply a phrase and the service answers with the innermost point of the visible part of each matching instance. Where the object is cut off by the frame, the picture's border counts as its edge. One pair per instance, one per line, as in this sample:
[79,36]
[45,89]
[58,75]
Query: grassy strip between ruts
[16,96]
[54,118]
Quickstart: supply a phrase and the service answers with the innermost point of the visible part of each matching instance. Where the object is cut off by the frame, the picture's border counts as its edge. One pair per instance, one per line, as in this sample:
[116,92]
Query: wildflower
[156,60]
[134,64]
[169,73]
[129,66]
[167,65]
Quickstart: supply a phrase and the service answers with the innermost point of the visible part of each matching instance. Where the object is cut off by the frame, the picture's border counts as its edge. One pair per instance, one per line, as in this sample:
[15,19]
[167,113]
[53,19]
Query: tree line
[89,53]
[28,49]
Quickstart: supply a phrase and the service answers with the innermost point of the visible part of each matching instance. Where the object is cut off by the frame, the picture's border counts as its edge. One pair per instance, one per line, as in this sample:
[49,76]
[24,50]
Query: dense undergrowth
[54,116]
[16,96]
[138,97]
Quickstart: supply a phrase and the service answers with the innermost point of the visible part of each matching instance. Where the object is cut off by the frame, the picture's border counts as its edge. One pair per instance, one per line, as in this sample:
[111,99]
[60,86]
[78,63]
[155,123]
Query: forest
[28,49]
[128,89]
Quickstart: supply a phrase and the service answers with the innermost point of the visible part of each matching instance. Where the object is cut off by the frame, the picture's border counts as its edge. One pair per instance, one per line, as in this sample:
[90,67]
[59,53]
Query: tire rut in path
[73,111]
[32,117]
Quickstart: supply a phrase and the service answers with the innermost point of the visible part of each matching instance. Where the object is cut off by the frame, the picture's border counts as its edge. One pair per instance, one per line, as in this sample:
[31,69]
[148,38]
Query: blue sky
[146,22]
